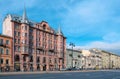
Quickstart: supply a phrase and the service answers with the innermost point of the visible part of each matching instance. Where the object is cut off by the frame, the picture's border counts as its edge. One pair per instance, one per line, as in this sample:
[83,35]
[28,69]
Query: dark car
[72,69]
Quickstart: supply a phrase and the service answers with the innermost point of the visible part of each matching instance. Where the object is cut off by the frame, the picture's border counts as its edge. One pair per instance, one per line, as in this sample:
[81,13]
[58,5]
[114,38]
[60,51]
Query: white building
[74,58]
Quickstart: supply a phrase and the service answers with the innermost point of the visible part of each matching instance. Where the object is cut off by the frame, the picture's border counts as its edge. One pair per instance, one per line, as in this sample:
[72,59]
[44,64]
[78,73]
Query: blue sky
[87,23]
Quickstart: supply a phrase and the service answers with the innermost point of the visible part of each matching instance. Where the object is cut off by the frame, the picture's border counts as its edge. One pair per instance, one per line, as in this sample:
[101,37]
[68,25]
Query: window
[7,42]
[25,34]
[70,55]
[32,50]
[23,49]
[17,26]
[7,61]
[18,41]
[24,58]
[44,59]
[1,61]
[15,48]
[18,48]
[1,51]
[50,61]
[55,60]
[23,41]
[18,33]
[15,33]
[7,51]
[25,27]
[31,58]
[17,58]
[78,56]
[15,40]
[1,41]
[38,59]
[44,27]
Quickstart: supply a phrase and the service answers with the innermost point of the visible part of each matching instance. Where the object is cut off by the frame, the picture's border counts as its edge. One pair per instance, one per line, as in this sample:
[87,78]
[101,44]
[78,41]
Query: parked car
[73,69]
[63,69]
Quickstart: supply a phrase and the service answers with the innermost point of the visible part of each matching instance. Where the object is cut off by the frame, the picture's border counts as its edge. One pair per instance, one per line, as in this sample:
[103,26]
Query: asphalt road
[67,75]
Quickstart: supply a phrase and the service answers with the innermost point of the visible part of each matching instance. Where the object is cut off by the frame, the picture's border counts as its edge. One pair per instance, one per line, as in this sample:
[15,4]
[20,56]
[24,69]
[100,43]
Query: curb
[47,72]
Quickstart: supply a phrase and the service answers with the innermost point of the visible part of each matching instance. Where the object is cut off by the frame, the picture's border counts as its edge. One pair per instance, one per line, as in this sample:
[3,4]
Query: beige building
[105,59]
[86,59]
[92,59]
[110,60]
[96,58]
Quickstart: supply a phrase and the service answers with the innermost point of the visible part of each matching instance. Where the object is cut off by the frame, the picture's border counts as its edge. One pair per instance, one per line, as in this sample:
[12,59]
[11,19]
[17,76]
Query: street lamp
[72,45]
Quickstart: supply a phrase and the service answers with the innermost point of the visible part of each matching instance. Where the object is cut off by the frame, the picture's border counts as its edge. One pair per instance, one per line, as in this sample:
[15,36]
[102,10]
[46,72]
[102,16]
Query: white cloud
[95,18]
[88,16]
[112,47]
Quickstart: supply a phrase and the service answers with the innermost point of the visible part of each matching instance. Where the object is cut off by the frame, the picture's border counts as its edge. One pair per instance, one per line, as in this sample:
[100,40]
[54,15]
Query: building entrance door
[17,66]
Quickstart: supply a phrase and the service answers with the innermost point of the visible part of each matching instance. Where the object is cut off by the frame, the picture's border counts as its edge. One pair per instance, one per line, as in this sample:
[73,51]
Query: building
[36,46]
[91,59]
[110,60]
[74,58]
[83,59]
[96,58]
[6,55]
[86,59]
[105,59]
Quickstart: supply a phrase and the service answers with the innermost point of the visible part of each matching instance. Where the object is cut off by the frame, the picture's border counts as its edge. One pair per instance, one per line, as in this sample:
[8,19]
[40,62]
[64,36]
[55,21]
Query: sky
[86,23]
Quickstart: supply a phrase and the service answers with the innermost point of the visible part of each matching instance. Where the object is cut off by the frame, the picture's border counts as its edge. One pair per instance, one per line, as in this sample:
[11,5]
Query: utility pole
[72,45]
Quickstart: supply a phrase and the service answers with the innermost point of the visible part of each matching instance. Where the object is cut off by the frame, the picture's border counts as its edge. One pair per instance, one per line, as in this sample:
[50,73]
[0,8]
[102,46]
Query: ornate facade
[36,46]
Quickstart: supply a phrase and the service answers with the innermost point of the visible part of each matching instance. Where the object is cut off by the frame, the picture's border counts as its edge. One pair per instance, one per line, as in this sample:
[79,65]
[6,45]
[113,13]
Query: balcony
[60,56]
[51,50]
[24,53]
[51,64]
[39,47]
[3,45]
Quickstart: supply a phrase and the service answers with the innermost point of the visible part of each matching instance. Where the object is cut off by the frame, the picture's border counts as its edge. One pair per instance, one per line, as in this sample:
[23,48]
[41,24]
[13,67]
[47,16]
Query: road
[67,75]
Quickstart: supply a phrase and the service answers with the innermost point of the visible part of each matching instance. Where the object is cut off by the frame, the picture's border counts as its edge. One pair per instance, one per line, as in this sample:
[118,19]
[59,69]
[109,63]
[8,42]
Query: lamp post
[72,45]
[109,61]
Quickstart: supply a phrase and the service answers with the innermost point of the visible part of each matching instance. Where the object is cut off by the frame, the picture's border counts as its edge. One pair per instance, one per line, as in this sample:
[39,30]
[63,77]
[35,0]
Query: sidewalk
[42,72]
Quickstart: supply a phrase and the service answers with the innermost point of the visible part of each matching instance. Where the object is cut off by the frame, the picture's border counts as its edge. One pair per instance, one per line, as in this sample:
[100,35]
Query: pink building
[36,46]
